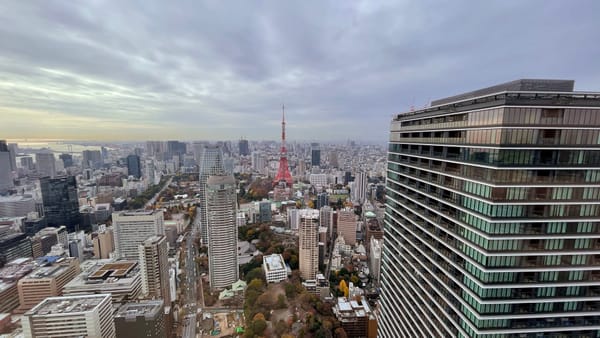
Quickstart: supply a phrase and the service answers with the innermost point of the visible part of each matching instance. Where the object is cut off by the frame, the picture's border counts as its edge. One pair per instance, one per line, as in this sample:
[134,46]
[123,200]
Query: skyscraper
[243,147]
[221,201]
[67,160]
[315,154]
[492,215]
[131,228]
[92,159]
[153,257]
[133,166]
[6,181]
[61,203]
[45,164]
[308,229]
[346,225]
[359,187]
[211,163]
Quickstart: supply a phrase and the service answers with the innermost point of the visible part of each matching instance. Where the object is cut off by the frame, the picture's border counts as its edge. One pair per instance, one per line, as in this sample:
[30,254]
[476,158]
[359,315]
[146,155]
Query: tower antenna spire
[283,173]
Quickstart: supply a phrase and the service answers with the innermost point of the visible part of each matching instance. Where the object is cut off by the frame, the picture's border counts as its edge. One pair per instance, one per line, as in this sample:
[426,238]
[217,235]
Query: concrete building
[92,159]
[45,164]
[309,250]
[274,267]
[211,163]
[346,225]
[133,166]
[221,202]
[9,276]
[375,258]
[131,228]
[13,246]
[356,317]
[326,219]
[121,279]
[492,215]
[103,242]
[153,257]
[70,316]
[16,205]
[61,203]
[145,318]
[47,281]
[6,176]
[359,187]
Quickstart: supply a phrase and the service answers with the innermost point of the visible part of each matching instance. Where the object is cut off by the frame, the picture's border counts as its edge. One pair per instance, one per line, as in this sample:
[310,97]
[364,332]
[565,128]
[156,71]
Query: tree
[344,288]
[256,273]
[340,333]
[281,302]
[259,326]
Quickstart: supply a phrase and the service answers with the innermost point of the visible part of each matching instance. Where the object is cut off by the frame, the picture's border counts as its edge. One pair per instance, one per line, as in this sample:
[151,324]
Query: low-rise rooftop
[67,305]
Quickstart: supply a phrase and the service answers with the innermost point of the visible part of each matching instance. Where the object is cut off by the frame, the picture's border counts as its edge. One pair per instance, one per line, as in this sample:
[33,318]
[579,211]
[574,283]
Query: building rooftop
[218,180]
[118,269]
[274,262]
[67,305]
[537,85]
[137,212]
[147,308]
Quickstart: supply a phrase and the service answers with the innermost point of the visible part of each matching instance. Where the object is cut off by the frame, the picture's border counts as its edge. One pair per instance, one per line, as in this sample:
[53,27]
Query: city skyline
[208,71]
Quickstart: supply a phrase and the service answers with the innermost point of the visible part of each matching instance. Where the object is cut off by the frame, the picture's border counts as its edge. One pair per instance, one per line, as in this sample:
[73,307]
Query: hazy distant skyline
[155,70]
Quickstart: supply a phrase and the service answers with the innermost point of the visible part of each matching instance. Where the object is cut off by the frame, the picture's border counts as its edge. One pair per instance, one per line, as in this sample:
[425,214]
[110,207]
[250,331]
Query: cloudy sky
[192,70]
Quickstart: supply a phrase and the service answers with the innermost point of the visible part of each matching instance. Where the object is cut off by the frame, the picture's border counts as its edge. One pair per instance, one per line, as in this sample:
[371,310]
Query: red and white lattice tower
[283,174]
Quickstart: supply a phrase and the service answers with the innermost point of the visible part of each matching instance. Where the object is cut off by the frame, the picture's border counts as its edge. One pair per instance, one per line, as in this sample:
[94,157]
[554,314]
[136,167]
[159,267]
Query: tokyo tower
[283,174]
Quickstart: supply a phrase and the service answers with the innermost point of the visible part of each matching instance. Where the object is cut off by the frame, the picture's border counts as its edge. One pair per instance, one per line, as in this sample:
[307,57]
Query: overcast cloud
[137,70]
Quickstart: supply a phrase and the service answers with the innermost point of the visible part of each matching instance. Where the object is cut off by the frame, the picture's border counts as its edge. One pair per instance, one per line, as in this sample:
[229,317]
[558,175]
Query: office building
[315,154]
[16,205]
[71,316]
[375,246]
[274,267]
[326,219]
[153,258]
[308,229]
[47,281]
[141,319]
[61,203]
[243,147]
[121,279]
[6,176]
[221,202]
[27,163]
[211,163]
[67,160]
[131,228]
[492,215]
[13,246]
[45,164]
[346,225]
[356,317]
[92,159]
[322,200]
[264,211]
[9,276]
[103,242]
[133,166]
[359,187]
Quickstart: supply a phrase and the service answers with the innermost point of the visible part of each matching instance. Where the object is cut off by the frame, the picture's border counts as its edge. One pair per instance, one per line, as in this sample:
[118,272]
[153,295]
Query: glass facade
[492,219]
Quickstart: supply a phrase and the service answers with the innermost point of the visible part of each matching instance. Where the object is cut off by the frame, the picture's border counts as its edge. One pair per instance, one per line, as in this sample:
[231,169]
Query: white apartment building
[131,228]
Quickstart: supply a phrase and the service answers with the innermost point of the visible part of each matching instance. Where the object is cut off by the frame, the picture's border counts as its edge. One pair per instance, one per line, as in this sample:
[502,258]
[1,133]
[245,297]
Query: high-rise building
[315,154]
[13,246]
[103,242]
[244,147]
[45,164]
[70,316]
[221,202]
[6,179]
[60,200]
[13,149]
[308,229]
[16,205]
[359,187]
[145,318]
[346,225]
[67,160]
[211,163]
[322,200]
[326,219]
[131,228]
[133,166]
[492,215]
[92,159]
[27,163]
[153,257]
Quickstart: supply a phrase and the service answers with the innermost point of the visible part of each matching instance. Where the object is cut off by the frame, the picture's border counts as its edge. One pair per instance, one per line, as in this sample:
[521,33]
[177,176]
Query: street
[191,307]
